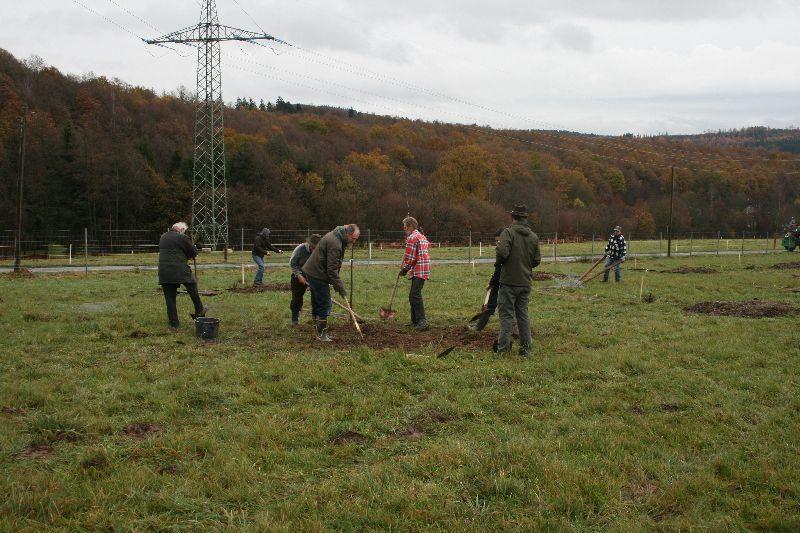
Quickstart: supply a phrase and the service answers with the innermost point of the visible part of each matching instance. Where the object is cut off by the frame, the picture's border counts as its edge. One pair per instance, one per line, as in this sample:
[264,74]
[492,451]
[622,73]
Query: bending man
[262,246]
[175,248]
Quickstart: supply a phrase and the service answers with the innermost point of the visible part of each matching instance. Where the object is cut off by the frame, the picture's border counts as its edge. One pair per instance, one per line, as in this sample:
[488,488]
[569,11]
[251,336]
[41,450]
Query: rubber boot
[322,331]
[422,325]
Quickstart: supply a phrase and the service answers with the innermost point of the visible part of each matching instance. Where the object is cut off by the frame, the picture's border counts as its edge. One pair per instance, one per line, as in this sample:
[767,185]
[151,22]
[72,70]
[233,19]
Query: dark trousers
[513,304]
[170,297]
[298,292]
[415,299]
[320,298]
[610,261]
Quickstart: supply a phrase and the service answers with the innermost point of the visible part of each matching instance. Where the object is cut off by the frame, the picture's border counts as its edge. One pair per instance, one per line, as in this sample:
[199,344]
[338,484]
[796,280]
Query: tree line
[108,156]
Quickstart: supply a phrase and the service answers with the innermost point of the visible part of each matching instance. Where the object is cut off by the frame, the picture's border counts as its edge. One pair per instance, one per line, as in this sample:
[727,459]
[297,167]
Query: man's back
[518,252]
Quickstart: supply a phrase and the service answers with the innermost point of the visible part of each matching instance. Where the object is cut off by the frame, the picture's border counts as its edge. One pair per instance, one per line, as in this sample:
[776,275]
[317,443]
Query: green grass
[479,250]
[629,415]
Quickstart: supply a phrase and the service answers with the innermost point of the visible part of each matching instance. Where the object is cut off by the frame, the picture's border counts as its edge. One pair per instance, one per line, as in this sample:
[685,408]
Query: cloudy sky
[611,66]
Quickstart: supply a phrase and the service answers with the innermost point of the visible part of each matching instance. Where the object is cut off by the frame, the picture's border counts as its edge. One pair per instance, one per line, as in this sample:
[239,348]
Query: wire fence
[140,247]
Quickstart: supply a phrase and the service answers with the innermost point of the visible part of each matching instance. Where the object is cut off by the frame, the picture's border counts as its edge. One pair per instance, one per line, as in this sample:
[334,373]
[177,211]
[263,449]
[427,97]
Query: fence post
[70,253]
[593,245]
[242,256]
[555,254]
[742,250]
[766,243]
[691,242]
[86,250]
[660,236]
[719,239]
[369,245]
[469,247]
[480,248]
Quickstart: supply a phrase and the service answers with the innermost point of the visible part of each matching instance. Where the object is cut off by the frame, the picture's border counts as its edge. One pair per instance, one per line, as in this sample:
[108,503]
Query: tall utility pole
[671,202]
[209,190]
[23,126]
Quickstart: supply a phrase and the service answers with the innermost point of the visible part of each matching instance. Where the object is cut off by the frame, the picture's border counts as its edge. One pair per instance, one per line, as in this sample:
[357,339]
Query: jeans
[415,299]
[170,294]
[617,271]
[512,302]
[320,298]
[298,291]
[259,270]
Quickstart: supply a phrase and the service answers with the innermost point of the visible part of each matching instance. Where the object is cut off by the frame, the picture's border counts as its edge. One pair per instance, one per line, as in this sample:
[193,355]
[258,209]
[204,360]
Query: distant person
[616,250]
[262,246]
[417,262]
[518,253]
[322,270]
[175,248]
[299,283]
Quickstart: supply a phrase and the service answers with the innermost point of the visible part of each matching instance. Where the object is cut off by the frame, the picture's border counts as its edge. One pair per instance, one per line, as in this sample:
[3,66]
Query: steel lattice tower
[209,189]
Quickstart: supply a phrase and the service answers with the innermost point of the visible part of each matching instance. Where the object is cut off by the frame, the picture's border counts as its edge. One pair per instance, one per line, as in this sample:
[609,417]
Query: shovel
[360,319]
[352,315]
[483,309]
[387,312]
[580,279]
[609,267]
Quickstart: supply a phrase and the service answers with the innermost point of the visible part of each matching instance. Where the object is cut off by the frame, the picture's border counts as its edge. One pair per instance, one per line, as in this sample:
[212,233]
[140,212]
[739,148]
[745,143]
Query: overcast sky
[604,66]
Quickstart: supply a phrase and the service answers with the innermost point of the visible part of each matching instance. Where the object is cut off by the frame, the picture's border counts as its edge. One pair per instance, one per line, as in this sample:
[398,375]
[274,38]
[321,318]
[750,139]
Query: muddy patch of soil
[141,430]
[648,298]
[138,334]
[438,416]
[13,411]
[670,407]
[547,276]
[745,309]
[168,469]
[379,336]
[411,432]
[786,266]
[691,270]
[349,436]
[267,287]
[38,451]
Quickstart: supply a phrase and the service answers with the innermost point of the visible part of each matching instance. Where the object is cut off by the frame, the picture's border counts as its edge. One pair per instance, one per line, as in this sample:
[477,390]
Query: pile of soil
[379,335]
[786,266]
[142,430]
[547,276]
[691,270]
[349,436]
[267,287]
[746,309]
[38,451]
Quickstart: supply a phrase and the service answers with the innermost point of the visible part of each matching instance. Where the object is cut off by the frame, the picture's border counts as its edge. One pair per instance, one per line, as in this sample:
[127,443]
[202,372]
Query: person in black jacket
[262,246]
[175,248]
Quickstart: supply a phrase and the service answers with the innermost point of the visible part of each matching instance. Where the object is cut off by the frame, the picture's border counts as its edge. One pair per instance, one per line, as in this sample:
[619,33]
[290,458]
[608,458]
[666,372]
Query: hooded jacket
[326,259]
[262,244]
[518,253]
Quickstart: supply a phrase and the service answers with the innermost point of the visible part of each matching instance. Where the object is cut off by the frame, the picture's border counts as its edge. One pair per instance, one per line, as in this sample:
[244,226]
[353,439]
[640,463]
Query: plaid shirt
[416,258]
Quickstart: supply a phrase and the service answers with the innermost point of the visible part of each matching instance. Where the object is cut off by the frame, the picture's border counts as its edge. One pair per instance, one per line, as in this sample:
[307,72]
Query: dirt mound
[691,270]
[547,276]
[746,309]
[411,432]
[267,287]
[349,436]
[138,334]
[380,336]
[38,451]
[13,411]
[141,430]
[786,266]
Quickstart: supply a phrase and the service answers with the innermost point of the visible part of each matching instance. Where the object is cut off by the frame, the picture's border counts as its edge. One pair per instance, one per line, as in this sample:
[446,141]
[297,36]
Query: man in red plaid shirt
[416,261]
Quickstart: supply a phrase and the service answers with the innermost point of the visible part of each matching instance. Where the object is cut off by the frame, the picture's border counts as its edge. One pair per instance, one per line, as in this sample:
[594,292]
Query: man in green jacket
[175,248]
[518,253]
[322,270]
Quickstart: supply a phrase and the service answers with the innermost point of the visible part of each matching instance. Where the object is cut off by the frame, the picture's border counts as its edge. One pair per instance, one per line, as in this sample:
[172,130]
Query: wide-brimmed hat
[520,211]
[617,228]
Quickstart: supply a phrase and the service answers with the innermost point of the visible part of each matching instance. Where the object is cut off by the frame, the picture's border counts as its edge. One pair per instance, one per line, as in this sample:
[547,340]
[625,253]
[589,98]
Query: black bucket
[206,328]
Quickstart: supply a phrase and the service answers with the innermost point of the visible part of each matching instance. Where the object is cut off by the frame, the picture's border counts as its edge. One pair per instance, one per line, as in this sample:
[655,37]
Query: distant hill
[107,155]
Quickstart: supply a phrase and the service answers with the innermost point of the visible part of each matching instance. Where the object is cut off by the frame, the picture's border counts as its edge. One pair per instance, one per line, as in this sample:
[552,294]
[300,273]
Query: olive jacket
[518,253]
[326,259]
[174,250]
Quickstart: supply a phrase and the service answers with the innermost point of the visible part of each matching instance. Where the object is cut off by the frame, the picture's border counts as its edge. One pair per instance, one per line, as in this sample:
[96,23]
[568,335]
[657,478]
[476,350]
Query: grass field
[438,251]
[629,415]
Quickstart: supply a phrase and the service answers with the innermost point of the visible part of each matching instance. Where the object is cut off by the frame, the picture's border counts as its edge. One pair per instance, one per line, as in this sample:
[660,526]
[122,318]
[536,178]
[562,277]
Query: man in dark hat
[299,283]
[518,253]
[262,246]
[175,248]
[616,250]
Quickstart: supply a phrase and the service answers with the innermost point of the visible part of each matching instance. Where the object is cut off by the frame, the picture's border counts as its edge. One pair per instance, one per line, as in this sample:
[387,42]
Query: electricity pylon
[209,190]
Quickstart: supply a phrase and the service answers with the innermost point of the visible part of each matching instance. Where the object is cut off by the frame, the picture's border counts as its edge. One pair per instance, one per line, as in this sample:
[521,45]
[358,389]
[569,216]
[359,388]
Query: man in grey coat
[518,253]
[175,248]
[322,270]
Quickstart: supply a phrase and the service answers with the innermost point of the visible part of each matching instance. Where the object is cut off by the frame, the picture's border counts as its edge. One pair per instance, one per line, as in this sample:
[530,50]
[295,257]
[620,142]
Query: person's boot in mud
[322,331]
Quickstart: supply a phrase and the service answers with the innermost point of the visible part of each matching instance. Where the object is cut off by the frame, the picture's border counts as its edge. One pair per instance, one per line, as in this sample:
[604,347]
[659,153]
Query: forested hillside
[107,155]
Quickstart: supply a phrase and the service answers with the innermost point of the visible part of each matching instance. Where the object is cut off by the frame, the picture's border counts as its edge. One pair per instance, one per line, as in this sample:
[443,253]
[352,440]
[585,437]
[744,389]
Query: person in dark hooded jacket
[518,253]
[175,248]
[262,246]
